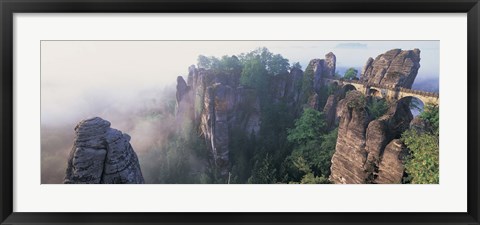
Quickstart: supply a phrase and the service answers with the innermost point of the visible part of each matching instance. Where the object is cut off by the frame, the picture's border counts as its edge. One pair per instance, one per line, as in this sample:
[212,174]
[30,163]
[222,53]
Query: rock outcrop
[102,155]
[369,150]
[381,132]
[185,99]
[286,87]
[218,107]
[361,141]
[322,68]
[397,68]
[348,161]
[391,168]
[225,109]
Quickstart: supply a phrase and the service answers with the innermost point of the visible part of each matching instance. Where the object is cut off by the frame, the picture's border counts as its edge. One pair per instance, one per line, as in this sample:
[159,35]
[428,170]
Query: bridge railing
[390,87]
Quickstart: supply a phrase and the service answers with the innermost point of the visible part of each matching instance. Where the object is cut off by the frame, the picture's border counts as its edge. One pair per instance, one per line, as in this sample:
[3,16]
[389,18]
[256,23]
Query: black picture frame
[9,7]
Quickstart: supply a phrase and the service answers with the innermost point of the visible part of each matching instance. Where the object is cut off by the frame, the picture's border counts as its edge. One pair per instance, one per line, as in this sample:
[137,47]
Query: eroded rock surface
[322,68]
[350,155]
[381,132]
[396,68]
[369,150]
[217,108]
[392,166]
[362,141]
[102,155]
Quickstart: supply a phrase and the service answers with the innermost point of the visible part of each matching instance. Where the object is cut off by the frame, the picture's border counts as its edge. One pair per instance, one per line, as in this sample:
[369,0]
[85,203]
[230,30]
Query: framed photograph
[263,112]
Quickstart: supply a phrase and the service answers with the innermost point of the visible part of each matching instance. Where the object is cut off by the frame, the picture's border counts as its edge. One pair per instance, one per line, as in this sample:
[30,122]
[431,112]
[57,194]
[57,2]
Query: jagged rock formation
[286,87]
[218,105]
[350,154]
[395,68]
[383,131]
[361,141]
[316,70]
[217,108]
[369,151]
[322,68]
[102,155]
[391,168]
[184,101]
[330,109]
[219,101]
[224,109]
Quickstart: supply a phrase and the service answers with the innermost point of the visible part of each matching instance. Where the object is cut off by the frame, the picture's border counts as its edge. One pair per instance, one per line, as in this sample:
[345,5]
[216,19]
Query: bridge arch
[415,104]
[375,92]
[348,87]
[425,97]
[384,91]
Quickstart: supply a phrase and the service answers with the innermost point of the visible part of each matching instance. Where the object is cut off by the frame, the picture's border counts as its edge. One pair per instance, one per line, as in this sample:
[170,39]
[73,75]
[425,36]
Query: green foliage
[310,126]
[277,65]
[225,70]
[350,74]
[241,153]
[313,148]
[274,63]
[307,84]
[204,61]
[226,63]
[173,160]
[422,165]
[310,178]
[377,107]
[259,68]
[263,172]
[254,73]
[359,101]
[297,65]
[327,148]
[286,150]
[432,116]
[331,89]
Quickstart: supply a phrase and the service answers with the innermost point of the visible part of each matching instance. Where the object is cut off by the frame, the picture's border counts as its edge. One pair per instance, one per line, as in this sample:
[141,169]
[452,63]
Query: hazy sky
[79,76]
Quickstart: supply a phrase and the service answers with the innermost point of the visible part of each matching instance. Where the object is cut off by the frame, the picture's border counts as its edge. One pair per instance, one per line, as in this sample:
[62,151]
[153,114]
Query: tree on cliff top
[274,64]
[226,70]
[350,74]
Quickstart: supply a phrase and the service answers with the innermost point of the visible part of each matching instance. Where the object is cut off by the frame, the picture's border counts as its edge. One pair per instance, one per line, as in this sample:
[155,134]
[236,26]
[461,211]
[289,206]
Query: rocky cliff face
[349,159]
[383,132]
[368,150]
[322,68]
[102,155]
[391,167]
[361,143]
[217,108]
[316,70]
[185,98]
[286,87]
[395,68]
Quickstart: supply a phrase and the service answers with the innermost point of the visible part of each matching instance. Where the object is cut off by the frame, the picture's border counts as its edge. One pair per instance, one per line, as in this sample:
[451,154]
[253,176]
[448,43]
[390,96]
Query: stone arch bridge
[387,91]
